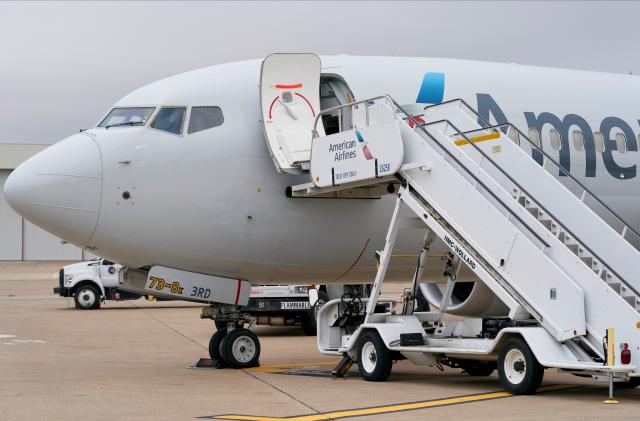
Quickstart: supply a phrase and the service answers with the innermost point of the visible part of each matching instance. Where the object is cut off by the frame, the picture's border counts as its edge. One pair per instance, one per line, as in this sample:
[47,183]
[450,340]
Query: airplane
[187,181]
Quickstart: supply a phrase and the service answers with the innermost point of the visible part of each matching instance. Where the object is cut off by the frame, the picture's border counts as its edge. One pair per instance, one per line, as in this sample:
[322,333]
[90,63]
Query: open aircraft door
[290,101]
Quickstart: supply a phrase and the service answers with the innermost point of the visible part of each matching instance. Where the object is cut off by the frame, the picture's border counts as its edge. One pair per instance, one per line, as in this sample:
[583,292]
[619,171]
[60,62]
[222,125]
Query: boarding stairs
[540,248]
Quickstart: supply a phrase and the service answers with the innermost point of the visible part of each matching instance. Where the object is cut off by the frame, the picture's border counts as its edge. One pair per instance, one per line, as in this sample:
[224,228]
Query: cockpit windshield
[127,116]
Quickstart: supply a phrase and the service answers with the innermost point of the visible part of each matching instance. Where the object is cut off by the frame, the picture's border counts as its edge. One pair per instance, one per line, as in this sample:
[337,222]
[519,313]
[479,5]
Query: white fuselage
[212,202]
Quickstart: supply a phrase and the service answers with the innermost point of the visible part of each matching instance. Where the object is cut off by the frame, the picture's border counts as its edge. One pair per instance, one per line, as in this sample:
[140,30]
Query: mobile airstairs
[569,280]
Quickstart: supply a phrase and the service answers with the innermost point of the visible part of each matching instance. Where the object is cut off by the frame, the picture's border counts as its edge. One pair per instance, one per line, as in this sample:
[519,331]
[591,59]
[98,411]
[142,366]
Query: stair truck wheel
[87,297]
[374,359]
[241,348]
[631,384]
[519,371]
[214,347]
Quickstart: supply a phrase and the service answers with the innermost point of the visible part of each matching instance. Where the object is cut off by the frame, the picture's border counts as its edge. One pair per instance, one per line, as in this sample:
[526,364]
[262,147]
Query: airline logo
[365,147]
[432,92]
[432,88]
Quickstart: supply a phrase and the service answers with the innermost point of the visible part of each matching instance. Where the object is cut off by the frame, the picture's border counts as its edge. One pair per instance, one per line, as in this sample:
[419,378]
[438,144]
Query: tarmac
[133,360]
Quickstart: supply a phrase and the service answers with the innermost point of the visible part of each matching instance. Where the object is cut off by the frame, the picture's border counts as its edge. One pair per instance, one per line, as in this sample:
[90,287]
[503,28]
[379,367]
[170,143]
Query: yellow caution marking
[477,139]
[377,410]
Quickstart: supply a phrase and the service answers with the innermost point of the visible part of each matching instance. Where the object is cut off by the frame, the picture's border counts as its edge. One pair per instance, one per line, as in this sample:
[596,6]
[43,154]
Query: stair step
[573,247]
[626,292]
[588,260]
[547,223]
[616,286]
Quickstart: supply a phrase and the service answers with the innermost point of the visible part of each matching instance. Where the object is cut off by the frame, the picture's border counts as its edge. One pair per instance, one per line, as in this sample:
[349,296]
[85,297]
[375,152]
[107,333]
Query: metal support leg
[429,237]
[385,258]
[451,272]
[611,361]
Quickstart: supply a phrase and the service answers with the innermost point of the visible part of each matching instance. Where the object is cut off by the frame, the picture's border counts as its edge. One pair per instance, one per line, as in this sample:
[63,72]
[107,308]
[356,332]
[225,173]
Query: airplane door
[290,101]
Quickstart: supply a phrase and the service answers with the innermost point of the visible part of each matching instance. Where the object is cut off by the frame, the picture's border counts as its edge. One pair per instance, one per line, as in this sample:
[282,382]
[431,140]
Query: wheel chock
[209,363]
[343,366]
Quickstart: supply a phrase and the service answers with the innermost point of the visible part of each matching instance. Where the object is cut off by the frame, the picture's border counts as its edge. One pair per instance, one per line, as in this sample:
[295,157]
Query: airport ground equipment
[91,283]
[564,275]
[283,305]
[233,310]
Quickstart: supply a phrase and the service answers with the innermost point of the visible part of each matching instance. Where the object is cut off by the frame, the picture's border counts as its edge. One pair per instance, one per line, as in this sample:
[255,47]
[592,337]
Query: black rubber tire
[214,347]
[382,358]
[308,324]
[422,304]
[308,321]
[631,384]
[231,340]
[86,289]
[479,368]
[533,371]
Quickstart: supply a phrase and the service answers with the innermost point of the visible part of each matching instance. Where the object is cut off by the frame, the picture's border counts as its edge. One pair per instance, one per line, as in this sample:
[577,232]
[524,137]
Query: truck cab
[91,282]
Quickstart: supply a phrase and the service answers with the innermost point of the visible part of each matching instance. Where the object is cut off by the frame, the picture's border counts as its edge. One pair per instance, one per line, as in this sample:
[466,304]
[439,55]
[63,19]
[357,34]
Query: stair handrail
[625,226]
[340,107]
[446,151]
[422,126]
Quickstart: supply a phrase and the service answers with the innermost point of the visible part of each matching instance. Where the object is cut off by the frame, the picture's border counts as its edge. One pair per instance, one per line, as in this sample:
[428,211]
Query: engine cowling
[469,299]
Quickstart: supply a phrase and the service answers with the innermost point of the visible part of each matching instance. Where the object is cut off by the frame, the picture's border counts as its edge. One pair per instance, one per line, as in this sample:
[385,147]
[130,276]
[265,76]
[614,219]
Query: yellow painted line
[478,139]
[277,368]
[385,409]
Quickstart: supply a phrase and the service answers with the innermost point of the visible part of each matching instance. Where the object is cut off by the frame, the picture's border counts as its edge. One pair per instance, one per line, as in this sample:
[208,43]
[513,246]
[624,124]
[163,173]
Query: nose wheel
[238,348]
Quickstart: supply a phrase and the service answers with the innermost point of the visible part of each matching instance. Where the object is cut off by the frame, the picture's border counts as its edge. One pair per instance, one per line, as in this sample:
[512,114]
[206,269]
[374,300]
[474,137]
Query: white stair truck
[566,281]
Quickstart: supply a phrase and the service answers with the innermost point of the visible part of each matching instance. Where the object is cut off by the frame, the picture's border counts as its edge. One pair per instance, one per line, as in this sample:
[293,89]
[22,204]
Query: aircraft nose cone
[59,189]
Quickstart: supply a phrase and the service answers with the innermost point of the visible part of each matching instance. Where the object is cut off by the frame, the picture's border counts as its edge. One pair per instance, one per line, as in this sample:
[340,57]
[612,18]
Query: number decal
[384,168]
[160,284]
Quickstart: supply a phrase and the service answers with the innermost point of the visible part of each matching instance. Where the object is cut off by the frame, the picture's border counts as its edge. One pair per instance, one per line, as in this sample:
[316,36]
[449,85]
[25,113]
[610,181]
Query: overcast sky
[64,64]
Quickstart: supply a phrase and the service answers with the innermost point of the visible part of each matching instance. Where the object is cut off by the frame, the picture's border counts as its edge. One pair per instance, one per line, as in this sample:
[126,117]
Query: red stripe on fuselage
[238,291]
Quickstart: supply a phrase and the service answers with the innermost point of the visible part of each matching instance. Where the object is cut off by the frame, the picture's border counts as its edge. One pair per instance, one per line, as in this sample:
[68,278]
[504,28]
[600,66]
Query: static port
[126,195]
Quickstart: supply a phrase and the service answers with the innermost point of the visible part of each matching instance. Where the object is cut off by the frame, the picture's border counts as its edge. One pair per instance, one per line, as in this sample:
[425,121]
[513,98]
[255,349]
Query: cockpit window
[203,118]
[129,115]
[170,119]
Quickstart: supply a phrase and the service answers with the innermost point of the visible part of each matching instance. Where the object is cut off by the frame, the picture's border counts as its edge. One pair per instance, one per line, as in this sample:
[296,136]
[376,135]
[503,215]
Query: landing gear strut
[232,345]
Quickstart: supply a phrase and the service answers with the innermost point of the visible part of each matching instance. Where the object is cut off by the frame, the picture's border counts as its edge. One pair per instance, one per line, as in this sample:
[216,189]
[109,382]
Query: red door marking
[297,85]
[271,106]
[301,96]
[307,101]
